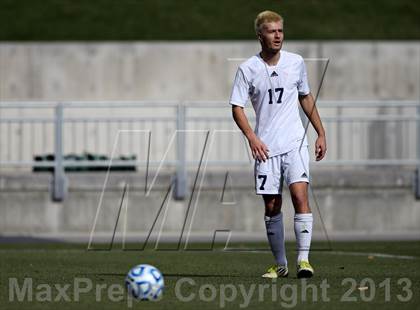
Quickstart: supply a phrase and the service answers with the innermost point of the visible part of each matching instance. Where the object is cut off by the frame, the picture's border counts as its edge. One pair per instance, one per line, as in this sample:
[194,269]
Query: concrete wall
[376,204]
[197,70]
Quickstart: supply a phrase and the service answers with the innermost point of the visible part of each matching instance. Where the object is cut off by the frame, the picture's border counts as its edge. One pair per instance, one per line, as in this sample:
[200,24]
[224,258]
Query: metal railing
[360,133]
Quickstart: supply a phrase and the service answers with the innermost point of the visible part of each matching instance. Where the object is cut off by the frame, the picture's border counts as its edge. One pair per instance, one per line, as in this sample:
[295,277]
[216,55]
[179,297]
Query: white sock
[275,235]
[303,233]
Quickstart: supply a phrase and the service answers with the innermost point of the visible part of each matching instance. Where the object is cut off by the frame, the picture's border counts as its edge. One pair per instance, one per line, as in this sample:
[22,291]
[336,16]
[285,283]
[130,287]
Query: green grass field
[47,20]
[393,282]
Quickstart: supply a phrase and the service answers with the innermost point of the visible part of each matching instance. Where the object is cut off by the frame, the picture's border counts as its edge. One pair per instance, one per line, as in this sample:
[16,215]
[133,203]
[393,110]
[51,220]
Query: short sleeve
[303,85]
[240,90]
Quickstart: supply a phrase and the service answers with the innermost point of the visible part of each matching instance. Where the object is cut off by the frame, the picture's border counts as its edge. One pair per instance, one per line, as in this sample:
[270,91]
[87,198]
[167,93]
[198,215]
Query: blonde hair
[266,17]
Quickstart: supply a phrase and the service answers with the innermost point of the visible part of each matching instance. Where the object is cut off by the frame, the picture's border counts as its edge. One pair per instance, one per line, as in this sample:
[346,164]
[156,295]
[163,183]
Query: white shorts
[292,167]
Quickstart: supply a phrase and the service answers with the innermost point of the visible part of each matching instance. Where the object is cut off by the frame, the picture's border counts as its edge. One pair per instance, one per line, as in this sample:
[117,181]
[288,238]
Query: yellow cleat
[304,269]
[276,271]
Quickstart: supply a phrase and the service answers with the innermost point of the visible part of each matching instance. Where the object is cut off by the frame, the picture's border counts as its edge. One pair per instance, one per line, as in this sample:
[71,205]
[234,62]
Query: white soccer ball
[144,282]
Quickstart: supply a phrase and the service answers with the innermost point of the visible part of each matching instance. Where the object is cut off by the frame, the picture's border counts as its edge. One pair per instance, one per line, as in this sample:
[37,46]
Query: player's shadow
[173,275]
[177,275]
[185,275]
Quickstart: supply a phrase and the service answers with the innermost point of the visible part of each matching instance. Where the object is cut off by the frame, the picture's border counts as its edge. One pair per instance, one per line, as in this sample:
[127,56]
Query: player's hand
[320,147]
[259,149]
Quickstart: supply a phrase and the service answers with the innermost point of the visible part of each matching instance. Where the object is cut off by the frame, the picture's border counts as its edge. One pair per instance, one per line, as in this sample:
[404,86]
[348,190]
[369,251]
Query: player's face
[271,36]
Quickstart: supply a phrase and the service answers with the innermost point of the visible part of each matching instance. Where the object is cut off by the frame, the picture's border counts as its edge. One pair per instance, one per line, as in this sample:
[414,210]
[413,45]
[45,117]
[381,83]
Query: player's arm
[308,105]
[258,148]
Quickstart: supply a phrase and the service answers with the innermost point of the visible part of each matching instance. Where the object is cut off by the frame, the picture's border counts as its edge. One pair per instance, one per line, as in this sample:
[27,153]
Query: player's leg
[272,204]
[275,235]
[297,177]
[268,184]
[302,221]
[303,227]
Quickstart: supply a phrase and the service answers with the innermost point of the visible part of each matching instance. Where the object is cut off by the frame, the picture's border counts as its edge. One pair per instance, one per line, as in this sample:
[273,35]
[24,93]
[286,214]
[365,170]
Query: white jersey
[274,92]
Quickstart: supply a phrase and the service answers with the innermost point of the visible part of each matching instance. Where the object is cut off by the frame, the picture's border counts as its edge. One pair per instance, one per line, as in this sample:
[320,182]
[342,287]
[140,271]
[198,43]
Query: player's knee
[300,201]
[272,205]
[272,211]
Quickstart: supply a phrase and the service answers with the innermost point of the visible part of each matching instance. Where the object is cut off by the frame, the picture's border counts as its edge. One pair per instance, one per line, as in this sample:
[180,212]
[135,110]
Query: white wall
[196,70]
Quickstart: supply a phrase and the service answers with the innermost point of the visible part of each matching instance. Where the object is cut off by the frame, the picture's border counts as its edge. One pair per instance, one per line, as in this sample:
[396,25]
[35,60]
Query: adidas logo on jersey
[274,74]
[304,175]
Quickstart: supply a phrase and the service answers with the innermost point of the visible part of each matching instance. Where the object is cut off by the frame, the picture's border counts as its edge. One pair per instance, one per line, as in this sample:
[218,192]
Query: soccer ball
[144,282]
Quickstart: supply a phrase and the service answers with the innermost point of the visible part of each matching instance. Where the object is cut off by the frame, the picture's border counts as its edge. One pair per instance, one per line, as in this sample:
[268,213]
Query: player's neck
[270,58]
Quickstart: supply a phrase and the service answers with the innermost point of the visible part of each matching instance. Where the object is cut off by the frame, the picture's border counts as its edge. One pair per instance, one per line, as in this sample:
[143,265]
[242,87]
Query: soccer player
[275,81]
